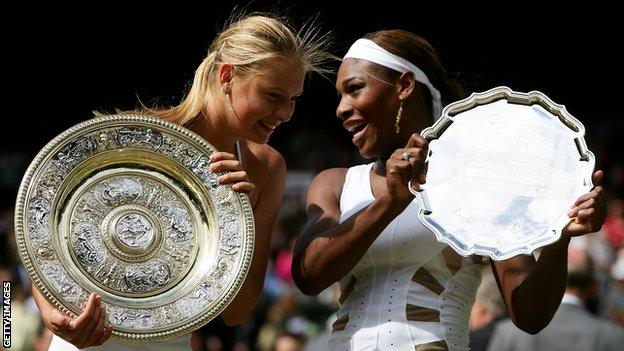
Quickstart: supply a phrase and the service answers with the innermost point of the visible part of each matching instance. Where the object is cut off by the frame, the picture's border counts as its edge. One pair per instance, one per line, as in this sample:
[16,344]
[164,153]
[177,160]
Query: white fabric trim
[572,300]
[365,49]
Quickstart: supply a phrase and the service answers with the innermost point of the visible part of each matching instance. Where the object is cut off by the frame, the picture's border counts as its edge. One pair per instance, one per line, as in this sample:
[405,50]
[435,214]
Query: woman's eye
[353,88]
[274,96]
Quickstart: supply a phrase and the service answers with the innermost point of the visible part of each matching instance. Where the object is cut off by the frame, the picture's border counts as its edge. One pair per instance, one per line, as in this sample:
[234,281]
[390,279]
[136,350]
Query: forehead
[282,73]
[354,68]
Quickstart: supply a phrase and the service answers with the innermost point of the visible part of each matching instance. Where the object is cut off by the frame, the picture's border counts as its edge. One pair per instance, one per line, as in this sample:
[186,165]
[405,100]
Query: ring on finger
[406,156]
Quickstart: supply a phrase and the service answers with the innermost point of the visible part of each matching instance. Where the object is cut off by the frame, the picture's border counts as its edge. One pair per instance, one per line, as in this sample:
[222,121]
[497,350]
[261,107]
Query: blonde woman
[244,89]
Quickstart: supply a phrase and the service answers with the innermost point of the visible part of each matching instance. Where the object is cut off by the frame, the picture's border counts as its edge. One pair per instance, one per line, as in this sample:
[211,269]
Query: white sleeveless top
[182,343]
[408,289]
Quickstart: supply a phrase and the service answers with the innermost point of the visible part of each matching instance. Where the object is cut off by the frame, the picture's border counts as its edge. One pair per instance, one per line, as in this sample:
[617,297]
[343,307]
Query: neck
[215,133]
[380,166]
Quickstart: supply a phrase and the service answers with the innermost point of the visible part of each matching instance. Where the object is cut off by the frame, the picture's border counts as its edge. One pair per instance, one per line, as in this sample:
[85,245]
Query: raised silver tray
[503,170]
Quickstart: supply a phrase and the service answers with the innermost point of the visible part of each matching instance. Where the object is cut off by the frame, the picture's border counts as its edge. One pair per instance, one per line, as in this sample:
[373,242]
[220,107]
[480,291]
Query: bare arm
[265,212]
[525,284]
[326,251]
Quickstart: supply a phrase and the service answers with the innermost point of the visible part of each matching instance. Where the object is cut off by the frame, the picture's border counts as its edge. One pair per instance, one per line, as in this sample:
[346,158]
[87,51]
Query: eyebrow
[345,82]
[283,91]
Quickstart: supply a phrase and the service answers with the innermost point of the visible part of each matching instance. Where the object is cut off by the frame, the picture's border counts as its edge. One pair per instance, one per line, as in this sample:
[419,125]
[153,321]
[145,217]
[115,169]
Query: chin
[260,139]
[365,153]
[370,151]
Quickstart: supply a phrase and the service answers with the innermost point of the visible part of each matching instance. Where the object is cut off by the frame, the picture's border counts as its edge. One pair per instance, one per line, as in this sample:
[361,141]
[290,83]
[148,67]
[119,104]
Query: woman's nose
[344,110]
[285,112]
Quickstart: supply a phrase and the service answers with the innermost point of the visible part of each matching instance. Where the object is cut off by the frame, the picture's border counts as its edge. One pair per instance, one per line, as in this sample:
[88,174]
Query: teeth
[355,127]
[270,126]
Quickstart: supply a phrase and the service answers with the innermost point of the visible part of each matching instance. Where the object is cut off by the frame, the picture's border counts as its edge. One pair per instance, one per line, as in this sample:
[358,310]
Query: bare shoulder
[329,181]
[331,175]
[264,158]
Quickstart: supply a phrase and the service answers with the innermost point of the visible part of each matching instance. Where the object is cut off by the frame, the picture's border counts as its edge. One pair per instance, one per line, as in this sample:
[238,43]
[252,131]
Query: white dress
[178,344]
[408,291]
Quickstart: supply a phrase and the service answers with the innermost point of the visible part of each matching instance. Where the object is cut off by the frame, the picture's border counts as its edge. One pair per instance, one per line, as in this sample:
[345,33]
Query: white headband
[365,49]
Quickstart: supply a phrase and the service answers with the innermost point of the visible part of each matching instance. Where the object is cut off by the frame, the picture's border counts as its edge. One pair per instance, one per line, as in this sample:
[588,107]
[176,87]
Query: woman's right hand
[235,173]
[88,329]
[399,171]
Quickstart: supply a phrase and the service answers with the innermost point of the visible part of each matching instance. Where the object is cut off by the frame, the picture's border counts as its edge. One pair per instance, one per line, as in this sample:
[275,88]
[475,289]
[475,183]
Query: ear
[226,72]
[405,85]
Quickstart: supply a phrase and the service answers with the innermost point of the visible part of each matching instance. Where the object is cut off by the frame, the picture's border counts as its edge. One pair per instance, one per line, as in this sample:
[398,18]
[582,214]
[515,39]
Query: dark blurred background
[60,63]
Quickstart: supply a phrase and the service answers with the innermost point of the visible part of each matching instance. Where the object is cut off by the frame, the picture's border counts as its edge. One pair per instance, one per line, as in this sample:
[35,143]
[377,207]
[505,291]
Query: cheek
[377,103]
[252,109]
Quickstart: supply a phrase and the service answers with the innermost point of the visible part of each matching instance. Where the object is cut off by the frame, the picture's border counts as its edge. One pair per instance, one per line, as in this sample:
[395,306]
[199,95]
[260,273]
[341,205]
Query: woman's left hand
[235,174]
[588,212]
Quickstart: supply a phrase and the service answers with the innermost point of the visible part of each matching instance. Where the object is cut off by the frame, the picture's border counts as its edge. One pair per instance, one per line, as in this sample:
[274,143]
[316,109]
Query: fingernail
[220,179]
[72,324]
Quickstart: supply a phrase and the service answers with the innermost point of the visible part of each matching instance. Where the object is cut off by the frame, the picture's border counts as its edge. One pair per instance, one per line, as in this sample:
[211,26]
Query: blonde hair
[246,43]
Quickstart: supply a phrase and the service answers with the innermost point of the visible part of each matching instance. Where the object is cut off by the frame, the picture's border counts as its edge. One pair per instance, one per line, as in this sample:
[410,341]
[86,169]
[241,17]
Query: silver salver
[126,206]
[504,169]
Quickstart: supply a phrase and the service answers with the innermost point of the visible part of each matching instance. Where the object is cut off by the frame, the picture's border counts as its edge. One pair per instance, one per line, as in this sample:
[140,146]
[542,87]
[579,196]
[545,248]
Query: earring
[226,89]
[397,127]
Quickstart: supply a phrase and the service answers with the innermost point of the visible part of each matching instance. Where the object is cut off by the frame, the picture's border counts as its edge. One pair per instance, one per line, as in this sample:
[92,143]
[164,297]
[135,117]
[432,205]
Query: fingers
[588,220]
[589,203]
[410,163]
[224,161]
[234,172]
[588,212]
[597,177]
[247,187]
[88,329]
[596,196]
[59,323]
[89,312]
[239,180]
[82,337]
[405,168]
[416,141]
[225,166]
[108,331]
[233,177]
[87,322]
[418,165]
[400,167]
[220,155]
[585,215]
[98,330]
